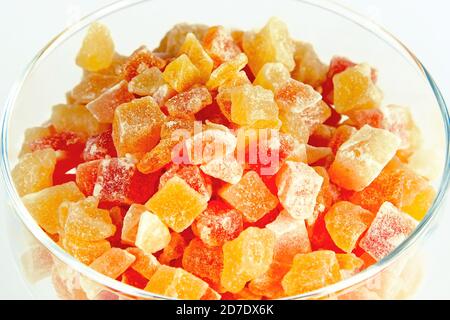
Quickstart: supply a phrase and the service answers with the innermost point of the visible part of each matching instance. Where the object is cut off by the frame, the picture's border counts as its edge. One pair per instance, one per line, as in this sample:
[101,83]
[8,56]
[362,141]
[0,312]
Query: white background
[26,25]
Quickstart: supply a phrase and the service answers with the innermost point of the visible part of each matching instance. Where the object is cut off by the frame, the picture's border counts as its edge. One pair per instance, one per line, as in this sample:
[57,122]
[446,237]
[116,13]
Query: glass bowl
[333,29]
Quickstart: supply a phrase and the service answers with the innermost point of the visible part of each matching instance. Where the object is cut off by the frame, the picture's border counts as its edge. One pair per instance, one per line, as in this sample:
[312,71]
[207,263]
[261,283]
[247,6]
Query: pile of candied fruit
[312,183]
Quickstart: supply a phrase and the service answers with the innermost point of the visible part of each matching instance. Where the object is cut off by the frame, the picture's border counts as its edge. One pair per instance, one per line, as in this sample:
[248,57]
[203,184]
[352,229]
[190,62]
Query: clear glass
[332,29]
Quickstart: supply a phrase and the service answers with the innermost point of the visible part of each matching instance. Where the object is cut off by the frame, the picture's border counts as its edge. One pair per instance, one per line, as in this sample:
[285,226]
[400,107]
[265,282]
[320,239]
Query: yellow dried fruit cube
[311,271]
[85,221]
[362,157]
[175,37]
[136,126]
[34,171]
[147,83]
[246,258]
[271,44]
[226,71]
[91,87]
[272,76]
[177,204]
[97,51]
[84,251]
[250,196]
[77,119]
[176,283]
[190,102]
[181,74]
[195,51]
[354,89]
[152,235]
[254,106]
[43,205]
[346,222]
[308,67]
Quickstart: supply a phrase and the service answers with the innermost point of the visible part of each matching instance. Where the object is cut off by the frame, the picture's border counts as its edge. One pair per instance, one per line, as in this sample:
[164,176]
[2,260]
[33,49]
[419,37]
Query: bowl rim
[329,5]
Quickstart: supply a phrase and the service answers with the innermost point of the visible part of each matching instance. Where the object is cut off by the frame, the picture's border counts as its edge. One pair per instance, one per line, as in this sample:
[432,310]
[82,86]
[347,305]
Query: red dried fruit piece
[66,141]
[203,261]
[220,45]
[86,176]
[141,58]
[322,135]
[134,278]
[99,147]
[189,103]
[174,250]
[145,264]
[103,107]
[218,224]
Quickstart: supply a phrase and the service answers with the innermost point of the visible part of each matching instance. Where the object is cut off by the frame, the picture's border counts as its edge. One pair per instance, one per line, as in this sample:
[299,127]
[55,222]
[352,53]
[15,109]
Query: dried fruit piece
[337,65]
[220,45]
[315,154]
[134,278]
[43,205]
[419,207]
[349,264]
[246,258]
[226,71]
[199,57]
[177,204]
[189,103]
[250,196]
[86,176]
[340,136]
[311,271]
[362,157]
[141,59]
[145,264]
[254,107]
[136,126]
[131,223]
[34,171]
[33,134]
[388,230]
[203,261]
[308,67]
[76,119]
[102,108]
[159,157]
[91,87]
[175,37]
[97,51]
[113,262]
[354,89]
[147,83]
[272,76]
[174,250]
[371,117]
[298,187]
[152,235]
[99,147]
[181,74]
[346,222]
[227,169]
[85,221]
[84,251]
[271,44]
[218,223]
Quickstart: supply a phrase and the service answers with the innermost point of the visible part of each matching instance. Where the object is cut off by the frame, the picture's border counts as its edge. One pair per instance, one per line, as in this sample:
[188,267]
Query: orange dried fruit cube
[174,250]
[359,118]
[43,205]
[362,157]
[272,76]
[220,45]
[131,223]
[388,230]
[308,67]
[172,125]
[346,222]
[271,44]
[147,82]
[102,108]
[218,223]
[203,261]
[254,106]
[250,196]
[176,283]
[152,235]
[91,87]
[354,89]
[291,238]
[113,262]
[136,126]
[139,60]
[84,251]
[85,221]
[159,157]
[419,207]
[181,74]
[199,57]
[349,264]
[311,271]
[246,258]
[76,119]
[298,188]
[97,51]
[226,71]
[189,102]
[175,37]
[177,204]
[34,171]
[145,264]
